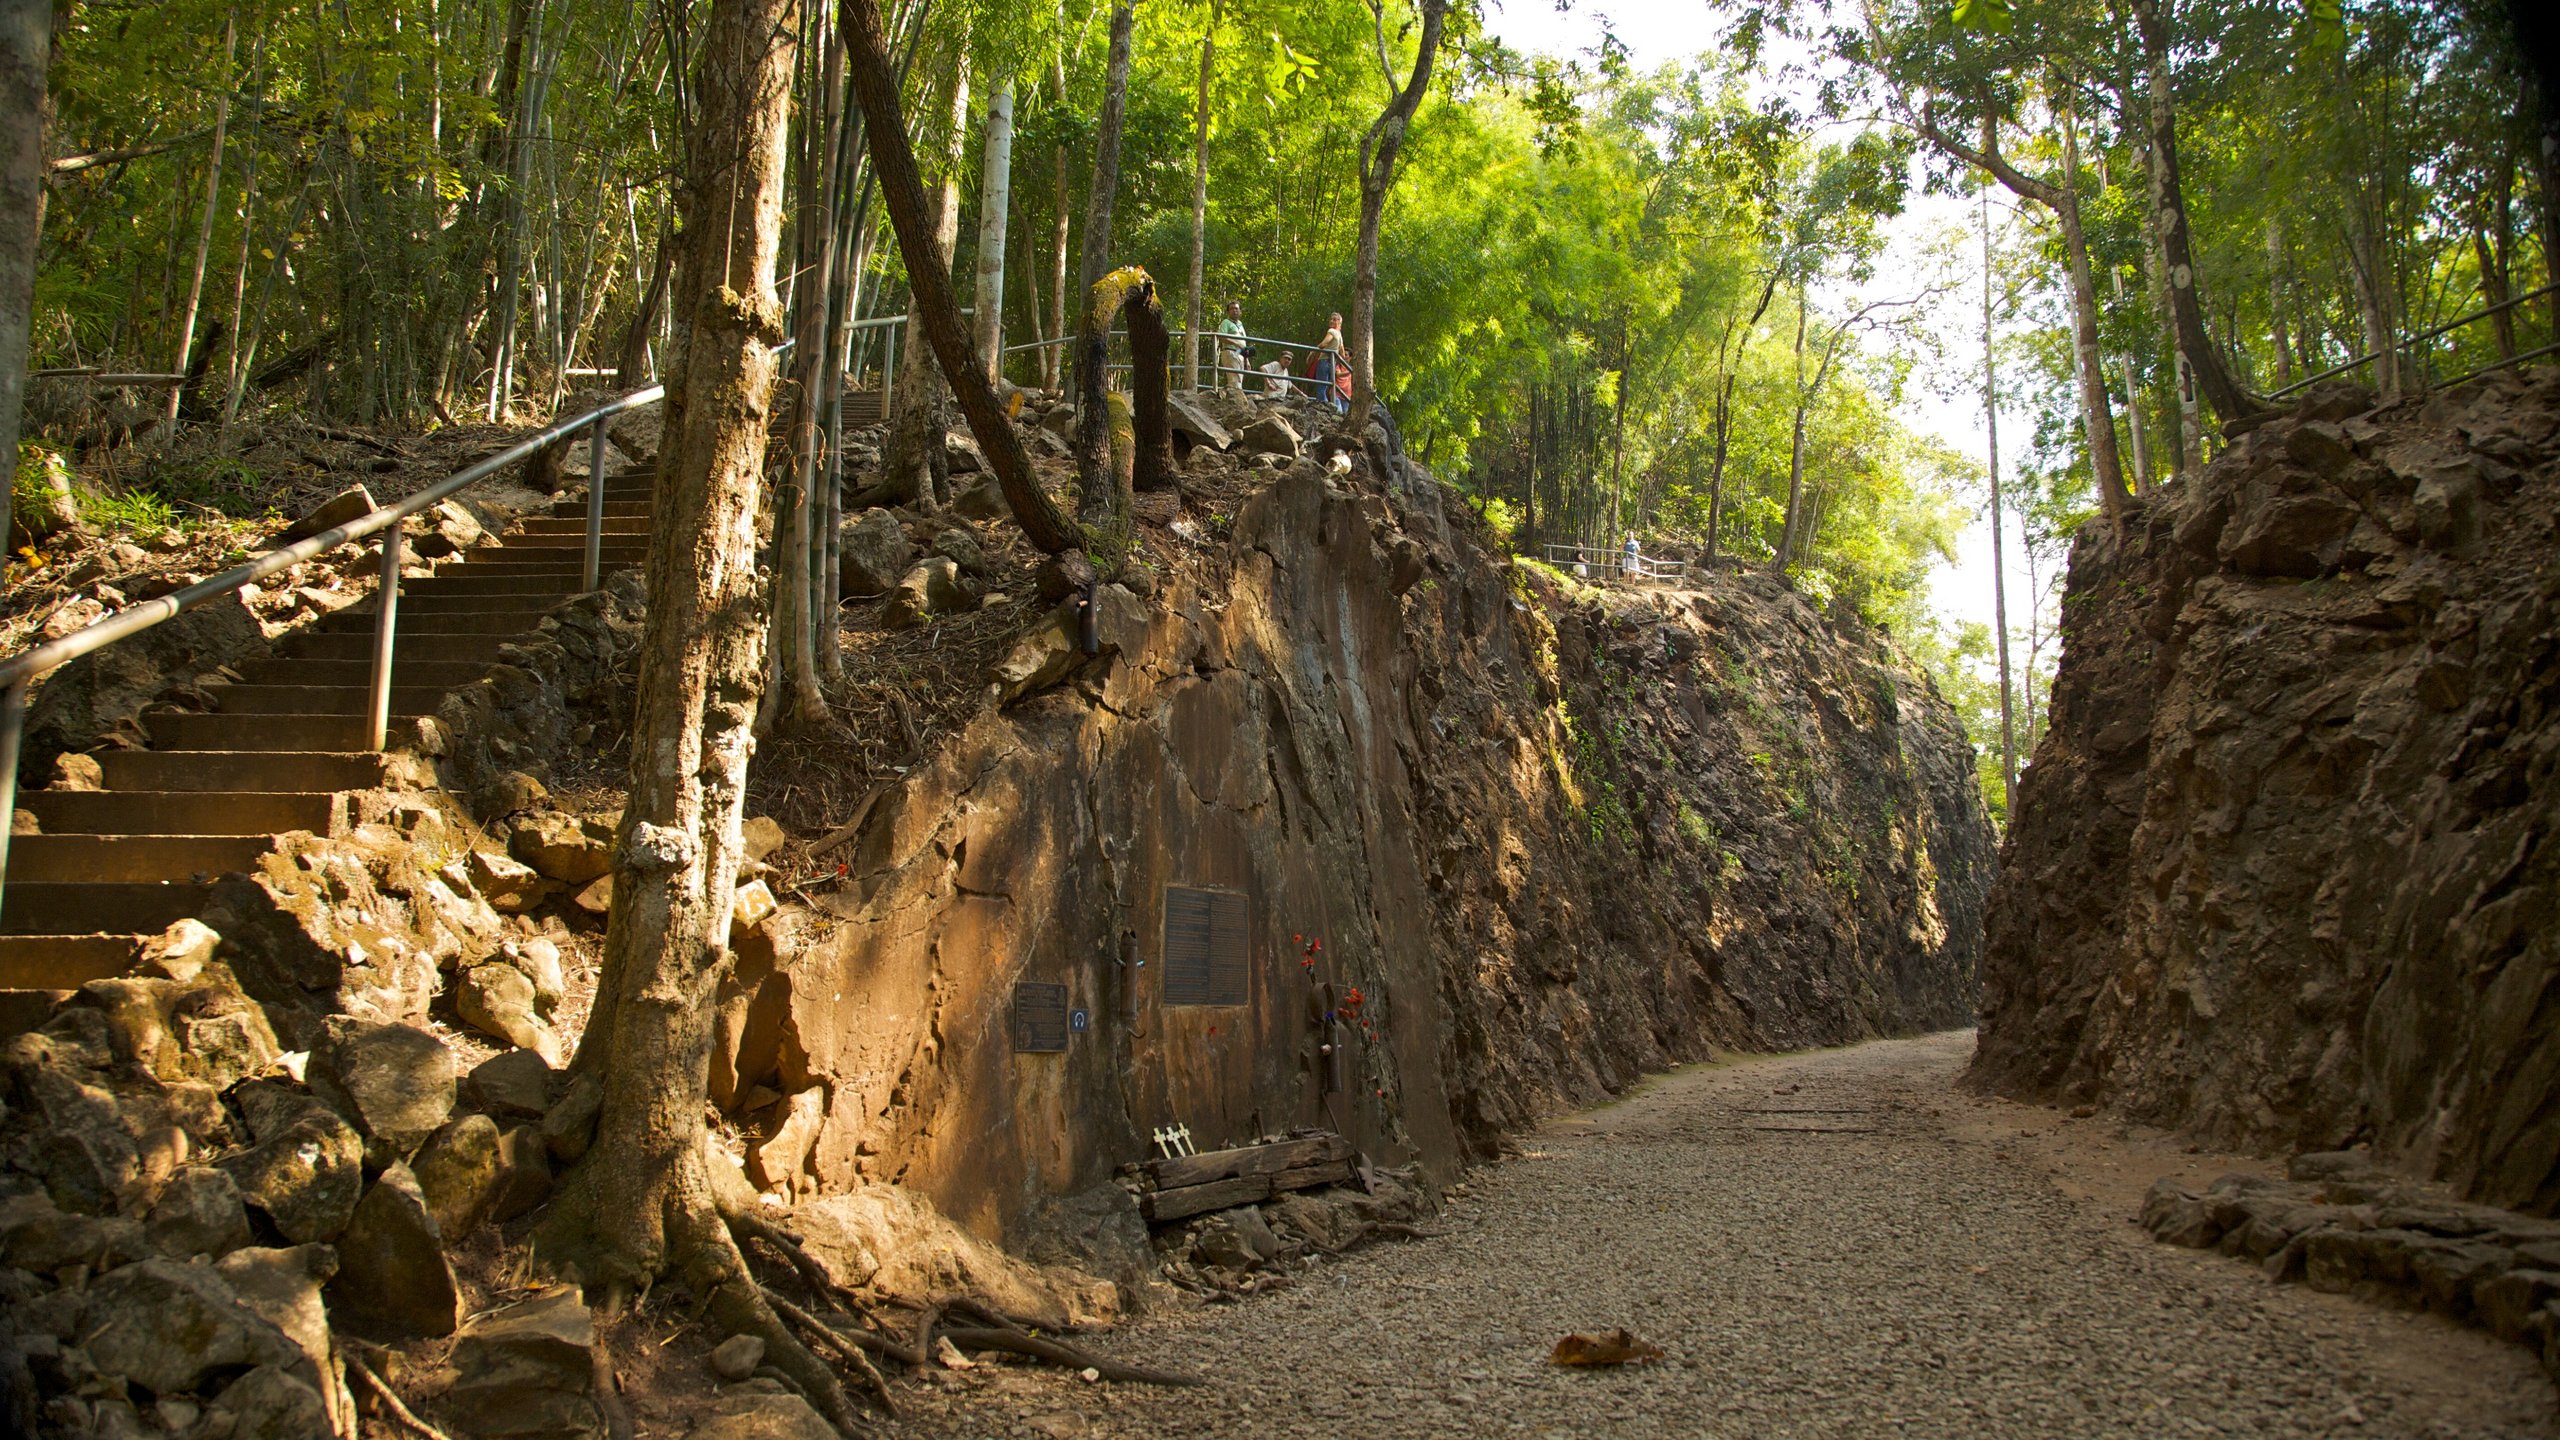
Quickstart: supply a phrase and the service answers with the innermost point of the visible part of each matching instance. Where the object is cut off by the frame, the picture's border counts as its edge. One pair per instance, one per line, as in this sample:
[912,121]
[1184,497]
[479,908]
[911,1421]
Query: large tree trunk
[2105,464]
[1378,151]
[995,223]
[26,111]
[902,194]
[641,1200]
[2169,206]
[1198,313]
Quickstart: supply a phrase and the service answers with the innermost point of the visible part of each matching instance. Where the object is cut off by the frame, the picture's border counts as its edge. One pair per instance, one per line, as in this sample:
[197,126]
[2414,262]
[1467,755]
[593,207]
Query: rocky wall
[2282,871]
[1533,840]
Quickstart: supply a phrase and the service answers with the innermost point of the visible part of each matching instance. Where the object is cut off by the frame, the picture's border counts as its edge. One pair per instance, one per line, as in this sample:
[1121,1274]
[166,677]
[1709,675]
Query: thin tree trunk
[2169,207]
[902,194]
[632,366]
[2132,398]
[204,227]
[26,113]
[995,224]
[795,597]
[1999,558]
[1795,447]
[914,448]
[1053,358]
[1378,151]
[2104,462]
[641,1202]
[1198,313]
[248,230]
[1105,191]
[2276,289]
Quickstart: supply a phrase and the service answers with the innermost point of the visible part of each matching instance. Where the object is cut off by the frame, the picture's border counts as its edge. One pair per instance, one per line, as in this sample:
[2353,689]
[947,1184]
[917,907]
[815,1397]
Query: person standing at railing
[1331,367]
[1631,558]
[1231,352]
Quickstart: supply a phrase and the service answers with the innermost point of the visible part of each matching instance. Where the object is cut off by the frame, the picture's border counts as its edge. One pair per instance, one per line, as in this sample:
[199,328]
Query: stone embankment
[2283,873]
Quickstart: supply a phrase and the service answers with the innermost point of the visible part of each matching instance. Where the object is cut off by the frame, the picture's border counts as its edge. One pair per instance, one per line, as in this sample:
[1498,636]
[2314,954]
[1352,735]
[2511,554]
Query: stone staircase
[114,867]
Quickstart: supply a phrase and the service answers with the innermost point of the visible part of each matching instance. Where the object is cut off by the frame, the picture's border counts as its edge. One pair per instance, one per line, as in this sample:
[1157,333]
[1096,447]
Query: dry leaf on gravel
[1608,1347]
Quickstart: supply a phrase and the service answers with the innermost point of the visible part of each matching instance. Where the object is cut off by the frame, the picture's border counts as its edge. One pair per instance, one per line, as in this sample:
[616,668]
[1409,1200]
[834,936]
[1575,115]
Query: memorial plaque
[1206,934]
[1039,1017]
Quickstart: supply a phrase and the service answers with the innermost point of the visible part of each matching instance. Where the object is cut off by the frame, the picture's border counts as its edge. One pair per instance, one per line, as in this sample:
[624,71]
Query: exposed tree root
[996,1332]
[382,1394]
[717,1268]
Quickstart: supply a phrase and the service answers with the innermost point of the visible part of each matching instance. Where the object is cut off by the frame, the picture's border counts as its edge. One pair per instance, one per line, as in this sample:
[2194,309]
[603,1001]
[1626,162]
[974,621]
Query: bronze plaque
[1039,1016]
[1206,935]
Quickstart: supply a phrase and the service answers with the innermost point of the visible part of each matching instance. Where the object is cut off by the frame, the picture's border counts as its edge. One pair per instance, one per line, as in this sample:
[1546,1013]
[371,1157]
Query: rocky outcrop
[2283,873]
[1524,841]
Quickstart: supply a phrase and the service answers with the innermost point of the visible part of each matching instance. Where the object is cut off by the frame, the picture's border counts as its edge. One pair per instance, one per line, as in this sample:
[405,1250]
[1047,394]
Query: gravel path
[1834,1244]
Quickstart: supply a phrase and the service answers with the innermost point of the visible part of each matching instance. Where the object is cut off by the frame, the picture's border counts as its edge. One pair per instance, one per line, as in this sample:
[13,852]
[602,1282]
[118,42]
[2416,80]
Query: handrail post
[13,729]
[386,622]
[889,373]
[593,573]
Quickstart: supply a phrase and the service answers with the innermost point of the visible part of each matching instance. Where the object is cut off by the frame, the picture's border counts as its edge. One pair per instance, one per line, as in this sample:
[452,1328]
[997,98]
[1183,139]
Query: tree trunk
[1999,582]
[803,702]
[640,1201]
[995,224]
[1378,151]
[2169,206]
[2364,265]
[914,442]
[1053,359]
[1110,463]
[2276,301]
[633,364]
[902,194]
[26,112]
[1106,152]
[2105,465]
[1795,448]
[204,227]
[1715,473]
[1197,315]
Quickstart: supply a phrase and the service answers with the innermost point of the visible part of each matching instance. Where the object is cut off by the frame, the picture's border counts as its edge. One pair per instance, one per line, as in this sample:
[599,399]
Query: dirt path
[1835,1244]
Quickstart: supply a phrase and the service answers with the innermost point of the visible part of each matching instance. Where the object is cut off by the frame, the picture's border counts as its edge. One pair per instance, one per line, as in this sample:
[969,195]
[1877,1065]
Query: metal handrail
[21,670]
[2372,355]
[1645,567]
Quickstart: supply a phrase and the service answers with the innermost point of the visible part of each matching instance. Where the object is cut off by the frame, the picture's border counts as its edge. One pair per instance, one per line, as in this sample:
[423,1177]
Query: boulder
[284,1287]
[73,771]
[760,1414]
[458,1171]
[750,906]
[198,1213]
[539,959]
[1045,654]
[353,503]
[961,455]
[498,999]
[961,548]
[527,1372]
[775,1162]
[396,1082]
[269,1403]
[180,952]
[569,1126]
[524,1174]
[932,588]
[1192,425]
[511,792]
[737,1357]
[165,1326]
[763,835]
[305,1174]
[515,1085]
[1269,435]
[392,1275]
[37,1236]
[983,499]
[510,886]
[875,551]
[562,847]
[448,529]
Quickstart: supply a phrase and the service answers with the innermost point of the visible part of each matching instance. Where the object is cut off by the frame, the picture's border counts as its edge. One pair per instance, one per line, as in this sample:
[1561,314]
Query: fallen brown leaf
[1608,1347]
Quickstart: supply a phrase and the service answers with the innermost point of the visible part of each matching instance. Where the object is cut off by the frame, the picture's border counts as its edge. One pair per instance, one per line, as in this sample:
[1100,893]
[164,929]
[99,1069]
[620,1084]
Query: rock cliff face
[1531,843]
[2283,872]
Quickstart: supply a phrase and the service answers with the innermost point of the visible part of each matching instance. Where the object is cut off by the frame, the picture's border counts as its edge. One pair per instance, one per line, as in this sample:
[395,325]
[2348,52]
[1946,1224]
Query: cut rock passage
[1868,1263]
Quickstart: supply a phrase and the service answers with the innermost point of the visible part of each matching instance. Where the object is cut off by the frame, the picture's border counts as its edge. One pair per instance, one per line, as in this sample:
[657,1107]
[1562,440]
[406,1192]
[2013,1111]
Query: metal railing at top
[1587,559]
[1297,383]
[2447,327]
[23,669]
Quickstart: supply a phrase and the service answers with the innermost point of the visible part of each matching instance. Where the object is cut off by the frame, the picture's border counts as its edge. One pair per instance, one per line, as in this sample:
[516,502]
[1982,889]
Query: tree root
[996,1332]
[850,1345]
[382,1393]
[718,1268]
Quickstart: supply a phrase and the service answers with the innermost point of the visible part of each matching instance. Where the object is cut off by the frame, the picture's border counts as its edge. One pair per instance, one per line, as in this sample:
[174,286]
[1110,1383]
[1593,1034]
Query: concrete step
[577,509]
[478,622]
[323,699]
[446,583]
[180,812]
[284,770]
[562,558]
[537,603]
[128,857]
[113,907]
[64,962]
[256,732]
[303,670]
[407,648]
[549,525]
